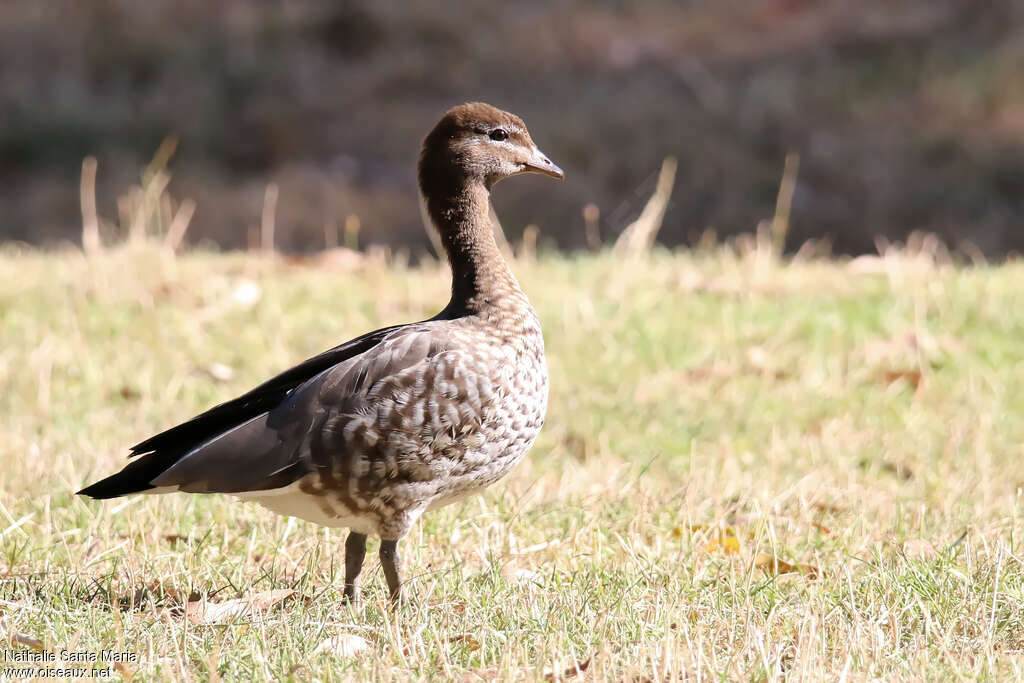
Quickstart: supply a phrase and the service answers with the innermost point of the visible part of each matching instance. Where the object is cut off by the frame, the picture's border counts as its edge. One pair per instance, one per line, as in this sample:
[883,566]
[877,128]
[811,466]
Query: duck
[371,434]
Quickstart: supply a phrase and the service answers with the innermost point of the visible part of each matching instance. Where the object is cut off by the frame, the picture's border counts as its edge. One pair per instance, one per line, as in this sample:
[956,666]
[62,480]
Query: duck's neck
[480,275]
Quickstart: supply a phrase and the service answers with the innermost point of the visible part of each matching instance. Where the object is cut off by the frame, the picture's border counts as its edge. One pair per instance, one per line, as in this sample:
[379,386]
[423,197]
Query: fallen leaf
[730,545]
[204,612]
[722,538]
[821,527]
[558,673]
[127,673]
[343,645]
[773,565]
[469,639]
[28,641]
[129,393]
[912,377]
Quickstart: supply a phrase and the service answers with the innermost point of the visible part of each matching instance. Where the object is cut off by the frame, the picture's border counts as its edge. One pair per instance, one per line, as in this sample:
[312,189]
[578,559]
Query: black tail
[136,477]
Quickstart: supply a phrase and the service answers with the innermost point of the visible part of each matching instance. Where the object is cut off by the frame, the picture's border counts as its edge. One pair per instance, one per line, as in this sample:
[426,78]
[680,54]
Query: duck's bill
[539,163]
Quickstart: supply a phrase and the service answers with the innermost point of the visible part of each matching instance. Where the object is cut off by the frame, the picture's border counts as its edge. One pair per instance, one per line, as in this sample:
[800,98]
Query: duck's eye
[499,134]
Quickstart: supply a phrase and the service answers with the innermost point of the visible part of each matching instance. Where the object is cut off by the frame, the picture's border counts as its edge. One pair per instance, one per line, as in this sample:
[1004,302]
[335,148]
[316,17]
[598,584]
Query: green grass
[862,420]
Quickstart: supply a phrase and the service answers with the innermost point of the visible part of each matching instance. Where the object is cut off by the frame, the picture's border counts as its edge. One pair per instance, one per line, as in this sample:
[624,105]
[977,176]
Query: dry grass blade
[179,225]
[783,203]
[147,206]
[90,220]
[592,231]
[268,217]
[639,236]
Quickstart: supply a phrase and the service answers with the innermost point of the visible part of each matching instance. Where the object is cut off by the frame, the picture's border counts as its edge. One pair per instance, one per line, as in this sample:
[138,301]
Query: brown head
[478,143]
[471,148]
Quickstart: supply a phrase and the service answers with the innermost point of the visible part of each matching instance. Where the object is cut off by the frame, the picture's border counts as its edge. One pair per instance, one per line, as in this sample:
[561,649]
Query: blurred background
[898,116]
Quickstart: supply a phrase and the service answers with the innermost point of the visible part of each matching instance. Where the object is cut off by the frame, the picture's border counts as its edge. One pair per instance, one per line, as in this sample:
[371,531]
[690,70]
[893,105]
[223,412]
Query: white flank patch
[291,501]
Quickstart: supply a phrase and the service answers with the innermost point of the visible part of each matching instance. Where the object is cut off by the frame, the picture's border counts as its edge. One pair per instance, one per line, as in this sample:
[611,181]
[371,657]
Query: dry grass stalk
[528,247]
[770,236]
[784,202]
[161,158]
[352,227]
[267,218]
[591,216]
[639,236]
[90,221]
[145,211]
[179,225]
[145,203]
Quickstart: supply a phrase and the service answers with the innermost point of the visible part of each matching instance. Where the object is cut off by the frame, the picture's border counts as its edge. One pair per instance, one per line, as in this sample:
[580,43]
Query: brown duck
[372,433]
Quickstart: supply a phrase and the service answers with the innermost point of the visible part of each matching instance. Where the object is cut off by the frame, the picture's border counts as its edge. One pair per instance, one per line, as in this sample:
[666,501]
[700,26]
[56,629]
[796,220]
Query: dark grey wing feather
[275,448]
[252,456]
[162,452]
[220,418]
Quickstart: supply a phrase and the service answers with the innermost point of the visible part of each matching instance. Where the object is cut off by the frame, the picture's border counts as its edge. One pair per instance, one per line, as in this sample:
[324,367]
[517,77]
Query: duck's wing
[233,420]
[321,427]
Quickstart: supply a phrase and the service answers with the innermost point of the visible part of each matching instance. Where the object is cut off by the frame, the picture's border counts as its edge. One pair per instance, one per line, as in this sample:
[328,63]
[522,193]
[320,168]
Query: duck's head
[476,142]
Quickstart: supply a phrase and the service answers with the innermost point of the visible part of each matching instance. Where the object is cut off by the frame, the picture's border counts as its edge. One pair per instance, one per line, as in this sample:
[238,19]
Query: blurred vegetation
[906,115]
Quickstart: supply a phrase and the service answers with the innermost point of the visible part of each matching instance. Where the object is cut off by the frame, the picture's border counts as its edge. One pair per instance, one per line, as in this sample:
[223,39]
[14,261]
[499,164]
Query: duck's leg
[355,552]
[392,565]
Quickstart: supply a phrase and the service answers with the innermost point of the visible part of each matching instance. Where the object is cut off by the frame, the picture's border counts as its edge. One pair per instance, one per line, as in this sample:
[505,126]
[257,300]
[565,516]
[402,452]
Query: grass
[711,413]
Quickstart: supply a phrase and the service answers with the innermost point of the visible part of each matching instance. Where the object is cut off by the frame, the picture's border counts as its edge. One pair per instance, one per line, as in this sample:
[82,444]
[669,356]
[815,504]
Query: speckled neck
[480,275]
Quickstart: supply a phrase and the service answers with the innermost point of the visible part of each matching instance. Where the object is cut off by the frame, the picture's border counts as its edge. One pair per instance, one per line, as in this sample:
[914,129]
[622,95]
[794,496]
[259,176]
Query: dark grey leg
[355,552]
[392,564]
